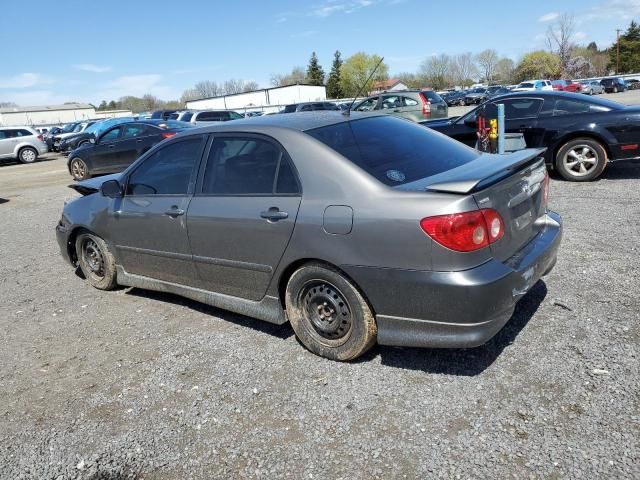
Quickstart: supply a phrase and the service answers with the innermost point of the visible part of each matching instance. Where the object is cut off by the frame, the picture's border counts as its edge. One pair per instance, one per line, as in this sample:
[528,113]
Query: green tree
[629,45]
[103,105]
[538,64]
[334,90]
[113,105]
[315,73]
[355,71]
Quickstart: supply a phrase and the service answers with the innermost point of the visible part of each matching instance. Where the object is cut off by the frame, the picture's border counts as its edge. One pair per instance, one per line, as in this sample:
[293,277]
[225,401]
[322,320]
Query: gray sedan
[592,87]
[355,229]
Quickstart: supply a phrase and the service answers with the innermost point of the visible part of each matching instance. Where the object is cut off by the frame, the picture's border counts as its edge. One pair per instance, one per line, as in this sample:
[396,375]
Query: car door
[242,216]
[106,153]
[149,225]
[135,141]
[521,116]
[394,105]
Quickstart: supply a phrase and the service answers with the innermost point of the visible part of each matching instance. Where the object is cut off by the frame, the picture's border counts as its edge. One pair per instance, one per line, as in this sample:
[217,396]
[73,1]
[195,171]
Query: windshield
[392,150]
[68,127]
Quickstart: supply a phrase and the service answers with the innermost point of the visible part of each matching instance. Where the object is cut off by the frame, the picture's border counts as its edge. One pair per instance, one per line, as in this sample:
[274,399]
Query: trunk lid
[512,184]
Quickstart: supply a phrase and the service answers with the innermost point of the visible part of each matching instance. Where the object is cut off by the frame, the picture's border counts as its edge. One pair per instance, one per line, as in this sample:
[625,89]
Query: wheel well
[575,136]
[292,267]
[26,146]
[71,243]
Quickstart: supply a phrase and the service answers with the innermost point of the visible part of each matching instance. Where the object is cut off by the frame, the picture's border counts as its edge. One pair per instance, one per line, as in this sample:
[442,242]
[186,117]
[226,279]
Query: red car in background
[566,86]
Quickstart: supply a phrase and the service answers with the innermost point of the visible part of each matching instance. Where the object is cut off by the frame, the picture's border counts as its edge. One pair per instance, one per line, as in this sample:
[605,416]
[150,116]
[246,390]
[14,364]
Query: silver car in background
[21,143]
[592,87]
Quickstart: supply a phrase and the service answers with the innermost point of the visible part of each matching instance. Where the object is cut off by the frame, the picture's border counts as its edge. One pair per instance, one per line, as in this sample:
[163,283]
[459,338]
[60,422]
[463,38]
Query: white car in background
[533,85]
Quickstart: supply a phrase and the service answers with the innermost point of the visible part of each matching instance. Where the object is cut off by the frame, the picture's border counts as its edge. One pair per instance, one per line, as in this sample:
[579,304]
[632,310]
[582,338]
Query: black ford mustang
[581,133]
[118,147]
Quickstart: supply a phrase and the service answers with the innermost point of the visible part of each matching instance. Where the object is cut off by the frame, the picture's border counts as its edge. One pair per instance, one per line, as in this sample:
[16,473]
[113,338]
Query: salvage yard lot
[131,383]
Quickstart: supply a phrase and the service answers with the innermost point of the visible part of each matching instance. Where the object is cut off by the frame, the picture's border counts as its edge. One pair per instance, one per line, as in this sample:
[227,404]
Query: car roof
[301,121]
[567,95]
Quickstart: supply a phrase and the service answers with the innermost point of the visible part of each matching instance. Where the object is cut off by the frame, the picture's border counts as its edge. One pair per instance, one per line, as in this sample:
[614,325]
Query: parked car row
[416,105]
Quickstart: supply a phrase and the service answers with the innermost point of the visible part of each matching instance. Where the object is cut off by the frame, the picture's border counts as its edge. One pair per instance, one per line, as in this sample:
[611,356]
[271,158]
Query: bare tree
[505,70]
[249,86]
[560,38]
[437,70]
[207,88]
[487,61]
[297,75]
[233,86]
[463,69]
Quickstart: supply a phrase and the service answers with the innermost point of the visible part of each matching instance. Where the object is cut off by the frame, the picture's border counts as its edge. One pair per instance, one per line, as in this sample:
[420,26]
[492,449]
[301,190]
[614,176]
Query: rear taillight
[426,106]
[545,190]
[467,231]
[41,138]
[167,134]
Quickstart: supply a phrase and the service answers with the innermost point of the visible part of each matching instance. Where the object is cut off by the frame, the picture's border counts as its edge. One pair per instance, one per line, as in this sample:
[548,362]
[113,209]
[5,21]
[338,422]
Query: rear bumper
[456,309]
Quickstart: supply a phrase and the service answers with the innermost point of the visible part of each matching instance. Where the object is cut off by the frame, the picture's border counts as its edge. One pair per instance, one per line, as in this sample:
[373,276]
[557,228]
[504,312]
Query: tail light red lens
[545,189]
[167,134]
[41,138]
[467,231]
[426,106]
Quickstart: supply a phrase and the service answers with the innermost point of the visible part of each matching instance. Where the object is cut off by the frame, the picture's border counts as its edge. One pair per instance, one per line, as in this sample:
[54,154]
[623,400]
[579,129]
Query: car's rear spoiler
[478,174]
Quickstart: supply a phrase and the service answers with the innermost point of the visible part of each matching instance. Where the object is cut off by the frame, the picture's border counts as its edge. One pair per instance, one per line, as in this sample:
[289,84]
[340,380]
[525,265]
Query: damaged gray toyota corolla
[354,229]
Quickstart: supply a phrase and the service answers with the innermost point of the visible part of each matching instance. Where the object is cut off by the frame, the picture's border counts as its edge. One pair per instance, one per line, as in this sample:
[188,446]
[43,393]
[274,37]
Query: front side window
[247,166]
[111,135]
[168,170]
[367,105]
[517,108]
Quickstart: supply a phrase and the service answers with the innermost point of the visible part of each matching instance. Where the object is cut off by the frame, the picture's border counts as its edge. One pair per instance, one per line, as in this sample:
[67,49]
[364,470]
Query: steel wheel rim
[78,168]
[327,312]
[580,160]
[28,155]
[92,257]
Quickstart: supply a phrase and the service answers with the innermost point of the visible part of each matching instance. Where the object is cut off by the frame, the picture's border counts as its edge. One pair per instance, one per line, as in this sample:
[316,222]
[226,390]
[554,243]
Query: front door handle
[174,211]
[274,214]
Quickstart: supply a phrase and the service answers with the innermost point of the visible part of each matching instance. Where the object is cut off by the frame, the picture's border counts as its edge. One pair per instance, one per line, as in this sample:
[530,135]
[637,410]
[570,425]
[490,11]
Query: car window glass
[167,171]
[367,105]
[110,135]
[24,133]
[3,134]
[211,117]
[305,108]
[392,101]
[409,102]
[132,131]
[244,166]
[521,107]
[570,107]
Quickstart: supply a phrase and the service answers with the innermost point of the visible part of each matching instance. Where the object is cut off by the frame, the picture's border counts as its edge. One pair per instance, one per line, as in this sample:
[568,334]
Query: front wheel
[96,261]
[581,160]
[328,313]
[79,170]
[28,155]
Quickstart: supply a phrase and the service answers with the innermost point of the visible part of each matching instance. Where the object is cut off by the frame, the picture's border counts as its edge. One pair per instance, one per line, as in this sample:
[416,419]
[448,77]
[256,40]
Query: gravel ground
[132,384]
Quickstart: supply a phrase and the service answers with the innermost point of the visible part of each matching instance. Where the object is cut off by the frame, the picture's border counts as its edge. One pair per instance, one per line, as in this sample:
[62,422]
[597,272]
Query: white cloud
[622,10]
[333,6]
[549,17]
[24,80]
[90,67]
[136,85]
[35,97]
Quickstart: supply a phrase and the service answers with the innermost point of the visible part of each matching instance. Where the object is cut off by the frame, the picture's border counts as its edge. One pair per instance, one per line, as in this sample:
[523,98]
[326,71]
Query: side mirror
[470,122]
[111,189]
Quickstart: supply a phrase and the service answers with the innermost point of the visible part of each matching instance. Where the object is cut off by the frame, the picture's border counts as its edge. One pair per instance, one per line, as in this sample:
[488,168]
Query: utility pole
[617,50]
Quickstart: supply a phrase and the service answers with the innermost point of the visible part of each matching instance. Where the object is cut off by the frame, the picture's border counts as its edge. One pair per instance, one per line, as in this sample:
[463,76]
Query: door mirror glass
[111,189]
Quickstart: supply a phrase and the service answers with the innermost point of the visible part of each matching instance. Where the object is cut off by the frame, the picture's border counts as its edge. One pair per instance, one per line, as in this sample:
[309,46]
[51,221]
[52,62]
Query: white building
[113,113]
[267,100]
[46,115]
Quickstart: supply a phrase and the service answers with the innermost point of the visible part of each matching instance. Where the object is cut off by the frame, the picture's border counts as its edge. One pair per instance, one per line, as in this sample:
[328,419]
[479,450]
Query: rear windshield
[394,151]
[433,97]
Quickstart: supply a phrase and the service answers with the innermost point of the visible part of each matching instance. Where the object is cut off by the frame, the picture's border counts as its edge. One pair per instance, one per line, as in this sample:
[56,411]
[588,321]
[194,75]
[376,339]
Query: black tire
[96,261]
[586,163]
[78,169]
[27,155]
[463,103]
[329,314]
[615,89]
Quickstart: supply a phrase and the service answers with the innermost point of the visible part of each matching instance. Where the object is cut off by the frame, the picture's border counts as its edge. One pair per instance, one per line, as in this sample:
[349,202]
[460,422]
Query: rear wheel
[581,160]
[328,313]
[28,155]
[78,168]
[96,261]
[615,89]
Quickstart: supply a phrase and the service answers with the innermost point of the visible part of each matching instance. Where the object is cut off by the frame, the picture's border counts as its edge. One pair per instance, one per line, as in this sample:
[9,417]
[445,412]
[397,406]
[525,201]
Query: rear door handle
[274,214]
[174,211]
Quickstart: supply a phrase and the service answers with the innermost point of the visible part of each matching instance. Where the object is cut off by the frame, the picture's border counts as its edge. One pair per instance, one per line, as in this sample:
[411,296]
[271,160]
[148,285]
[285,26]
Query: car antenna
[347,112]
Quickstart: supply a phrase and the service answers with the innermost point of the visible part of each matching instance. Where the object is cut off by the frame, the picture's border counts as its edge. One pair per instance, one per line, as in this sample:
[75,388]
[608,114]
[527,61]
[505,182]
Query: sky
[74,50]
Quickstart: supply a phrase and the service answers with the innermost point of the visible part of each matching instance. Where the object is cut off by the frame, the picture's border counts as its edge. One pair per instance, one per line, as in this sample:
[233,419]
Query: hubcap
[78,169]
[580,160]
[93,258]
[326,310]
[28,155]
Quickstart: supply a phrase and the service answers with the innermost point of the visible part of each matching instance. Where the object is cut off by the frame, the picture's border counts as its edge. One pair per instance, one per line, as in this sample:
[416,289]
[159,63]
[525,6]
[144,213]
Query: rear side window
[24,133]
[394,151]
[168,170]
[570,107]
[410,102]
[247,166]
[132,131]
[212,117]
